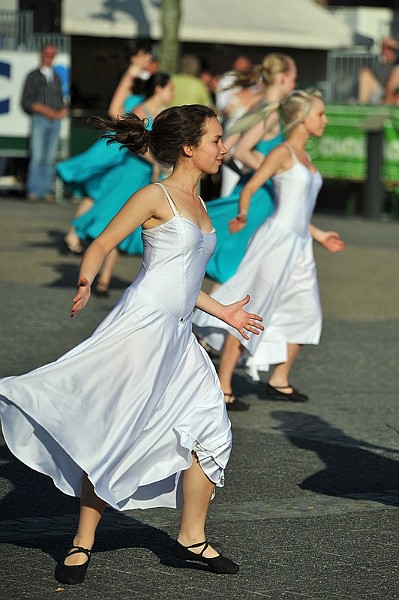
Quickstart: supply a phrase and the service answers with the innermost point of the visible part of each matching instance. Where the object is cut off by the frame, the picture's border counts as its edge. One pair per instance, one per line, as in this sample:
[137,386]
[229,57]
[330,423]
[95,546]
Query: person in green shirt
[189,88]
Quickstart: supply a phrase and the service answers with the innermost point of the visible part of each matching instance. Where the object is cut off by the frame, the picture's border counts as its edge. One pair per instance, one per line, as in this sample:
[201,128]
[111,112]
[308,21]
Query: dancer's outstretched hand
[82,296]
[332,241]
[235,315]
[237,223]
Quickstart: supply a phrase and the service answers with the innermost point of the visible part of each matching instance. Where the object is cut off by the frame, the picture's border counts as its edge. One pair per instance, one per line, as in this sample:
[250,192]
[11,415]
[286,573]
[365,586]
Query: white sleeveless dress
[279,272]
[130,404]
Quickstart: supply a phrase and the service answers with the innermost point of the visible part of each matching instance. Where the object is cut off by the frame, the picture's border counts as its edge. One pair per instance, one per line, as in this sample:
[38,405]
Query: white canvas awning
[275,23]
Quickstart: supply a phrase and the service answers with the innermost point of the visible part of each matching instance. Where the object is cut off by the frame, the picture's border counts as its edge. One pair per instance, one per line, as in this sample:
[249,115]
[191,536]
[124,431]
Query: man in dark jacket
[42,100]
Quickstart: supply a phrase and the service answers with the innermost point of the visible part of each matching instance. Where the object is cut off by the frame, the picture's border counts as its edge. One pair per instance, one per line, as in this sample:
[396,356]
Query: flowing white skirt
[127,406]
[279,273]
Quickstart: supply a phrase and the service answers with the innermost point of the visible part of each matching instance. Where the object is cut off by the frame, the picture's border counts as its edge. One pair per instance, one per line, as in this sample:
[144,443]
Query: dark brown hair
[172,129]
[147,87]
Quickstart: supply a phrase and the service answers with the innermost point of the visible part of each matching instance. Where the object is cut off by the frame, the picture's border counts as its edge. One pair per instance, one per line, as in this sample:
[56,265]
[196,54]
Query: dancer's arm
[232,314]
[140,208]
[272,164]
[123,90]
[330,240]
[245,148]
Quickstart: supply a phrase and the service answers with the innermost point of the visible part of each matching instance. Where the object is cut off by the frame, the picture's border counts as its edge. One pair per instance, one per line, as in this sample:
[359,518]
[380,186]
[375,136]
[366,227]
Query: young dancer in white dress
[278,268]
[118,419]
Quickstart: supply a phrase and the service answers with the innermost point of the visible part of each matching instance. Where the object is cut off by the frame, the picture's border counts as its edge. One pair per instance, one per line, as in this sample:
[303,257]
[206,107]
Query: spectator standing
[377,85]
[189,88]
[42,100]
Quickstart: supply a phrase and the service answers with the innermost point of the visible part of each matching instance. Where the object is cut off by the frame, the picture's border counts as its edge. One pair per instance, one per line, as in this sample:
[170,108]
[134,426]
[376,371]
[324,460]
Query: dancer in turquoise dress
[278,75]
[85,175]
[231,249]
[133,174]
[91,173]
[119,183]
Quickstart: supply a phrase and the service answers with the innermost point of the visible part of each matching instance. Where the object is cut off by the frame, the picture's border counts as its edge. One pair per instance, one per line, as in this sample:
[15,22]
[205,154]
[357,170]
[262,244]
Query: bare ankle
[83,542]
[278,383]
[188,539]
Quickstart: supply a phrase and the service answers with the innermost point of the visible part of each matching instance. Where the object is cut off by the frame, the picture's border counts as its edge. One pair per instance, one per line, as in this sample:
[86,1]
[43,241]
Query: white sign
[14,68]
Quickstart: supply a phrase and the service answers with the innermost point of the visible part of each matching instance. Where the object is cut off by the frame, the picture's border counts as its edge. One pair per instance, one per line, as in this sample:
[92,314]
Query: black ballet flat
[219,564]
[72,574]
[273,393]
[235,403]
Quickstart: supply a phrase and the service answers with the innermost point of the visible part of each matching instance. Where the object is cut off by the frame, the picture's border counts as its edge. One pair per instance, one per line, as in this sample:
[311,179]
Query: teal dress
[128,177]
[93,171]
[230,248]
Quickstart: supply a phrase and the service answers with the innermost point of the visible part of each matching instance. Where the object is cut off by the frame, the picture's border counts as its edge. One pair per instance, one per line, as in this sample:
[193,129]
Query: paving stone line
[11,530]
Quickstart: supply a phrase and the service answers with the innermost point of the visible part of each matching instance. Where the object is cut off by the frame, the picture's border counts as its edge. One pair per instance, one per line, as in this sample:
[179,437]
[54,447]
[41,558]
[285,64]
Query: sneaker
[49,198]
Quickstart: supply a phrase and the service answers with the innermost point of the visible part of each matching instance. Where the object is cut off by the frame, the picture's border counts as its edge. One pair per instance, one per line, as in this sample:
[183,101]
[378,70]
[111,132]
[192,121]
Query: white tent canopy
[283,23]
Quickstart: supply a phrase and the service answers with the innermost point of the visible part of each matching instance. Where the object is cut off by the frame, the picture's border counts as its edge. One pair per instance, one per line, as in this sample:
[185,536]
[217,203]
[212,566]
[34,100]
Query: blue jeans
[43,149]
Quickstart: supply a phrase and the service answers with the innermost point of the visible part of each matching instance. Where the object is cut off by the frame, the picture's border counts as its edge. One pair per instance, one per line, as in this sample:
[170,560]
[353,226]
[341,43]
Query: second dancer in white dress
[278,268]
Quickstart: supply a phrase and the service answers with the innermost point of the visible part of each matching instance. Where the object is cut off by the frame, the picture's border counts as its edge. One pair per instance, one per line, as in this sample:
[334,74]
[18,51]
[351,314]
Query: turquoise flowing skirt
[230,248]
[109,175]
[91,172]
[130,176]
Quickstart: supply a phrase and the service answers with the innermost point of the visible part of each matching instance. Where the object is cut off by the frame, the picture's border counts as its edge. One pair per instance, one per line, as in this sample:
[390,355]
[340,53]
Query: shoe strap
[205,544]
[77,549]
[281,387]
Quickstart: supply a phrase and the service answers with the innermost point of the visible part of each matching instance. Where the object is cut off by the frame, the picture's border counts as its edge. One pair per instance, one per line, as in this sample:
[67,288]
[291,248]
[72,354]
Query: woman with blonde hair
[250,140]
[278,269]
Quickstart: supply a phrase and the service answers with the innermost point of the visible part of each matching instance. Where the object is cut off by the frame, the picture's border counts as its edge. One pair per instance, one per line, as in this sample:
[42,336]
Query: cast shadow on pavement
[354,468]
[35,514]
[55,239]
[67,274]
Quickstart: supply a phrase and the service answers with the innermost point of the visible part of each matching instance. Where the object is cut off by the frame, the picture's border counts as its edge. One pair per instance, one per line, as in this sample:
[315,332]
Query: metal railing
[342,74]
[16,33]
[38,40]
[15,29]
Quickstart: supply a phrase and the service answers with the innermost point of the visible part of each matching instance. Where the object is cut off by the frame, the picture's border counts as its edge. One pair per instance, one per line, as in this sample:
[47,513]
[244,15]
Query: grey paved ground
[310,506]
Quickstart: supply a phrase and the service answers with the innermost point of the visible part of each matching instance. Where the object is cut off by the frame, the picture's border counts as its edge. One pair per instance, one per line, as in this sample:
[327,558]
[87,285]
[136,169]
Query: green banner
[342,151]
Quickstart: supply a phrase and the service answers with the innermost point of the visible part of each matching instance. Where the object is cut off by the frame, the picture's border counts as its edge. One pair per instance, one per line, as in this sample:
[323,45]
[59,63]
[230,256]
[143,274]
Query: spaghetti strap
[172,205]
[203,203]
[292,152]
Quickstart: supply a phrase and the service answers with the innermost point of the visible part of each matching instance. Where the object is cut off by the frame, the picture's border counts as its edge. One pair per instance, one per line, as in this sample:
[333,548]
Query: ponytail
[130,132]
[172,129]
[261,112]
